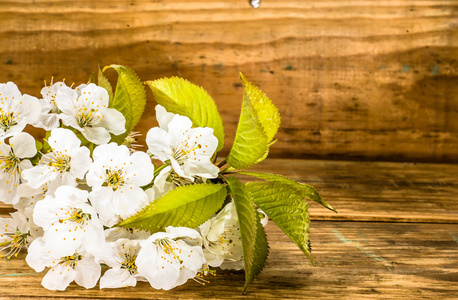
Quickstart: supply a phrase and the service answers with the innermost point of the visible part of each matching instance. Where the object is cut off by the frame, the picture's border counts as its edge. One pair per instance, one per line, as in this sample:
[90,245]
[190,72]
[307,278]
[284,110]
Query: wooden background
[353,80]
[358,80]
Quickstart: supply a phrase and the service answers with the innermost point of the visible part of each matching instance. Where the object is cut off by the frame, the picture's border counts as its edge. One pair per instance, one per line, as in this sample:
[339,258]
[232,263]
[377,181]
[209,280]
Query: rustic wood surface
[396,236]
[352,79]
[372,191]
[355,260]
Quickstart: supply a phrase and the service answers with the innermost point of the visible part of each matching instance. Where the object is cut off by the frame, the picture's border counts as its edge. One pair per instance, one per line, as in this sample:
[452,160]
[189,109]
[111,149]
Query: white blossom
[221,239]
[15,233]
[28,196]
[68,221]
[66,162]
[88,112]
[16,110]
[13,161]
[49,117]
[121,256]
[115,177]
[79,266]
[168,259]
[187,149]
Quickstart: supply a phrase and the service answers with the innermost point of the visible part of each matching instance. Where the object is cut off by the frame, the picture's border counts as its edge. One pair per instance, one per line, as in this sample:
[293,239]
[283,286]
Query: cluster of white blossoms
[71,190]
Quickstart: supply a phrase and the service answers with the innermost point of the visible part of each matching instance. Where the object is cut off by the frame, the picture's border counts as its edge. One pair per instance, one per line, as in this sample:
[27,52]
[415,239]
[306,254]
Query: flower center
[7,120]
[15,242]
[71,260]
[115,179]
[181,153]
[88,117]
[129,263]
[61,162]
[11,162]
[84,119]
[166,244]
[77,216]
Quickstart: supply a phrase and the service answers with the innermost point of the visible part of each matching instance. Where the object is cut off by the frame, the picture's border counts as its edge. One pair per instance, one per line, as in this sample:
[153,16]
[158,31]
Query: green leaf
[305,190]
[267,113]
[179,96]
[188,206]
[129,98]
[259,122]
[287,208]
[103,81]
[254,241]
[250,143]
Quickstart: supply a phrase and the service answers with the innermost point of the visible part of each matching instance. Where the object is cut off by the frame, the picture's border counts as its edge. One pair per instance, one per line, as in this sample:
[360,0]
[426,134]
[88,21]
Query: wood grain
[355,261]
[376,191]
[352,79]
[373,191]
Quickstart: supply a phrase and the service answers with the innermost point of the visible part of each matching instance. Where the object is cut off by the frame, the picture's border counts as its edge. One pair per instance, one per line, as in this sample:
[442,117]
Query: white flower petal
[204,169]
[37,257]
[93,238]
[158,145]
[29,107]
[87,272]
[177,168]
[115,152]
[96,135]
[23,145]
[38,175]
[128,200]
[8,186]
[64,100]
[102,201]
[24,165]
[48,121]
[139,169]
[113,121]
[9,90]
[163,117]
[80,162]
[63,139]
[95,93]
[70,121]
[58,278]
[117,279]
[179,126]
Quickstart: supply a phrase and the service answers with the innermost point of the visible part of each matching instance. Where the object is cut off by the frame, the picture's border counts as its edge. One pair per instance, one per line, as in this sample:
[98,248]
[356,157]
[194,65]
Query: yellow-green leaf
[287,208]
[129,98]
[254,240]
[258,124]
[187,206]
[267,113]
[305,190]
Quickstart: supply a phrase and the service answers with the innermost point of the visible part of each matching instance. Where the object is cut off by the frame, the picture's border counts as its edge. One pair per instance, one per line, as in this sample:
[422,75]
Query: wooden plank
[352,79]
[354,261]
[377,191]
[373,191]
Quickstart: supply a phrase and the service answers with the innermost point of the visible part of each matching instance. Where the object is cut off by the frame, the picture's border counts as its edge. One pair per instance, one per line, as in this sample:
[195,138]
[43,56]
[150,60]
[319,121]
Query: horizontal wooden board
[352,79]
[354,261]
[373,191]
[377,191]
